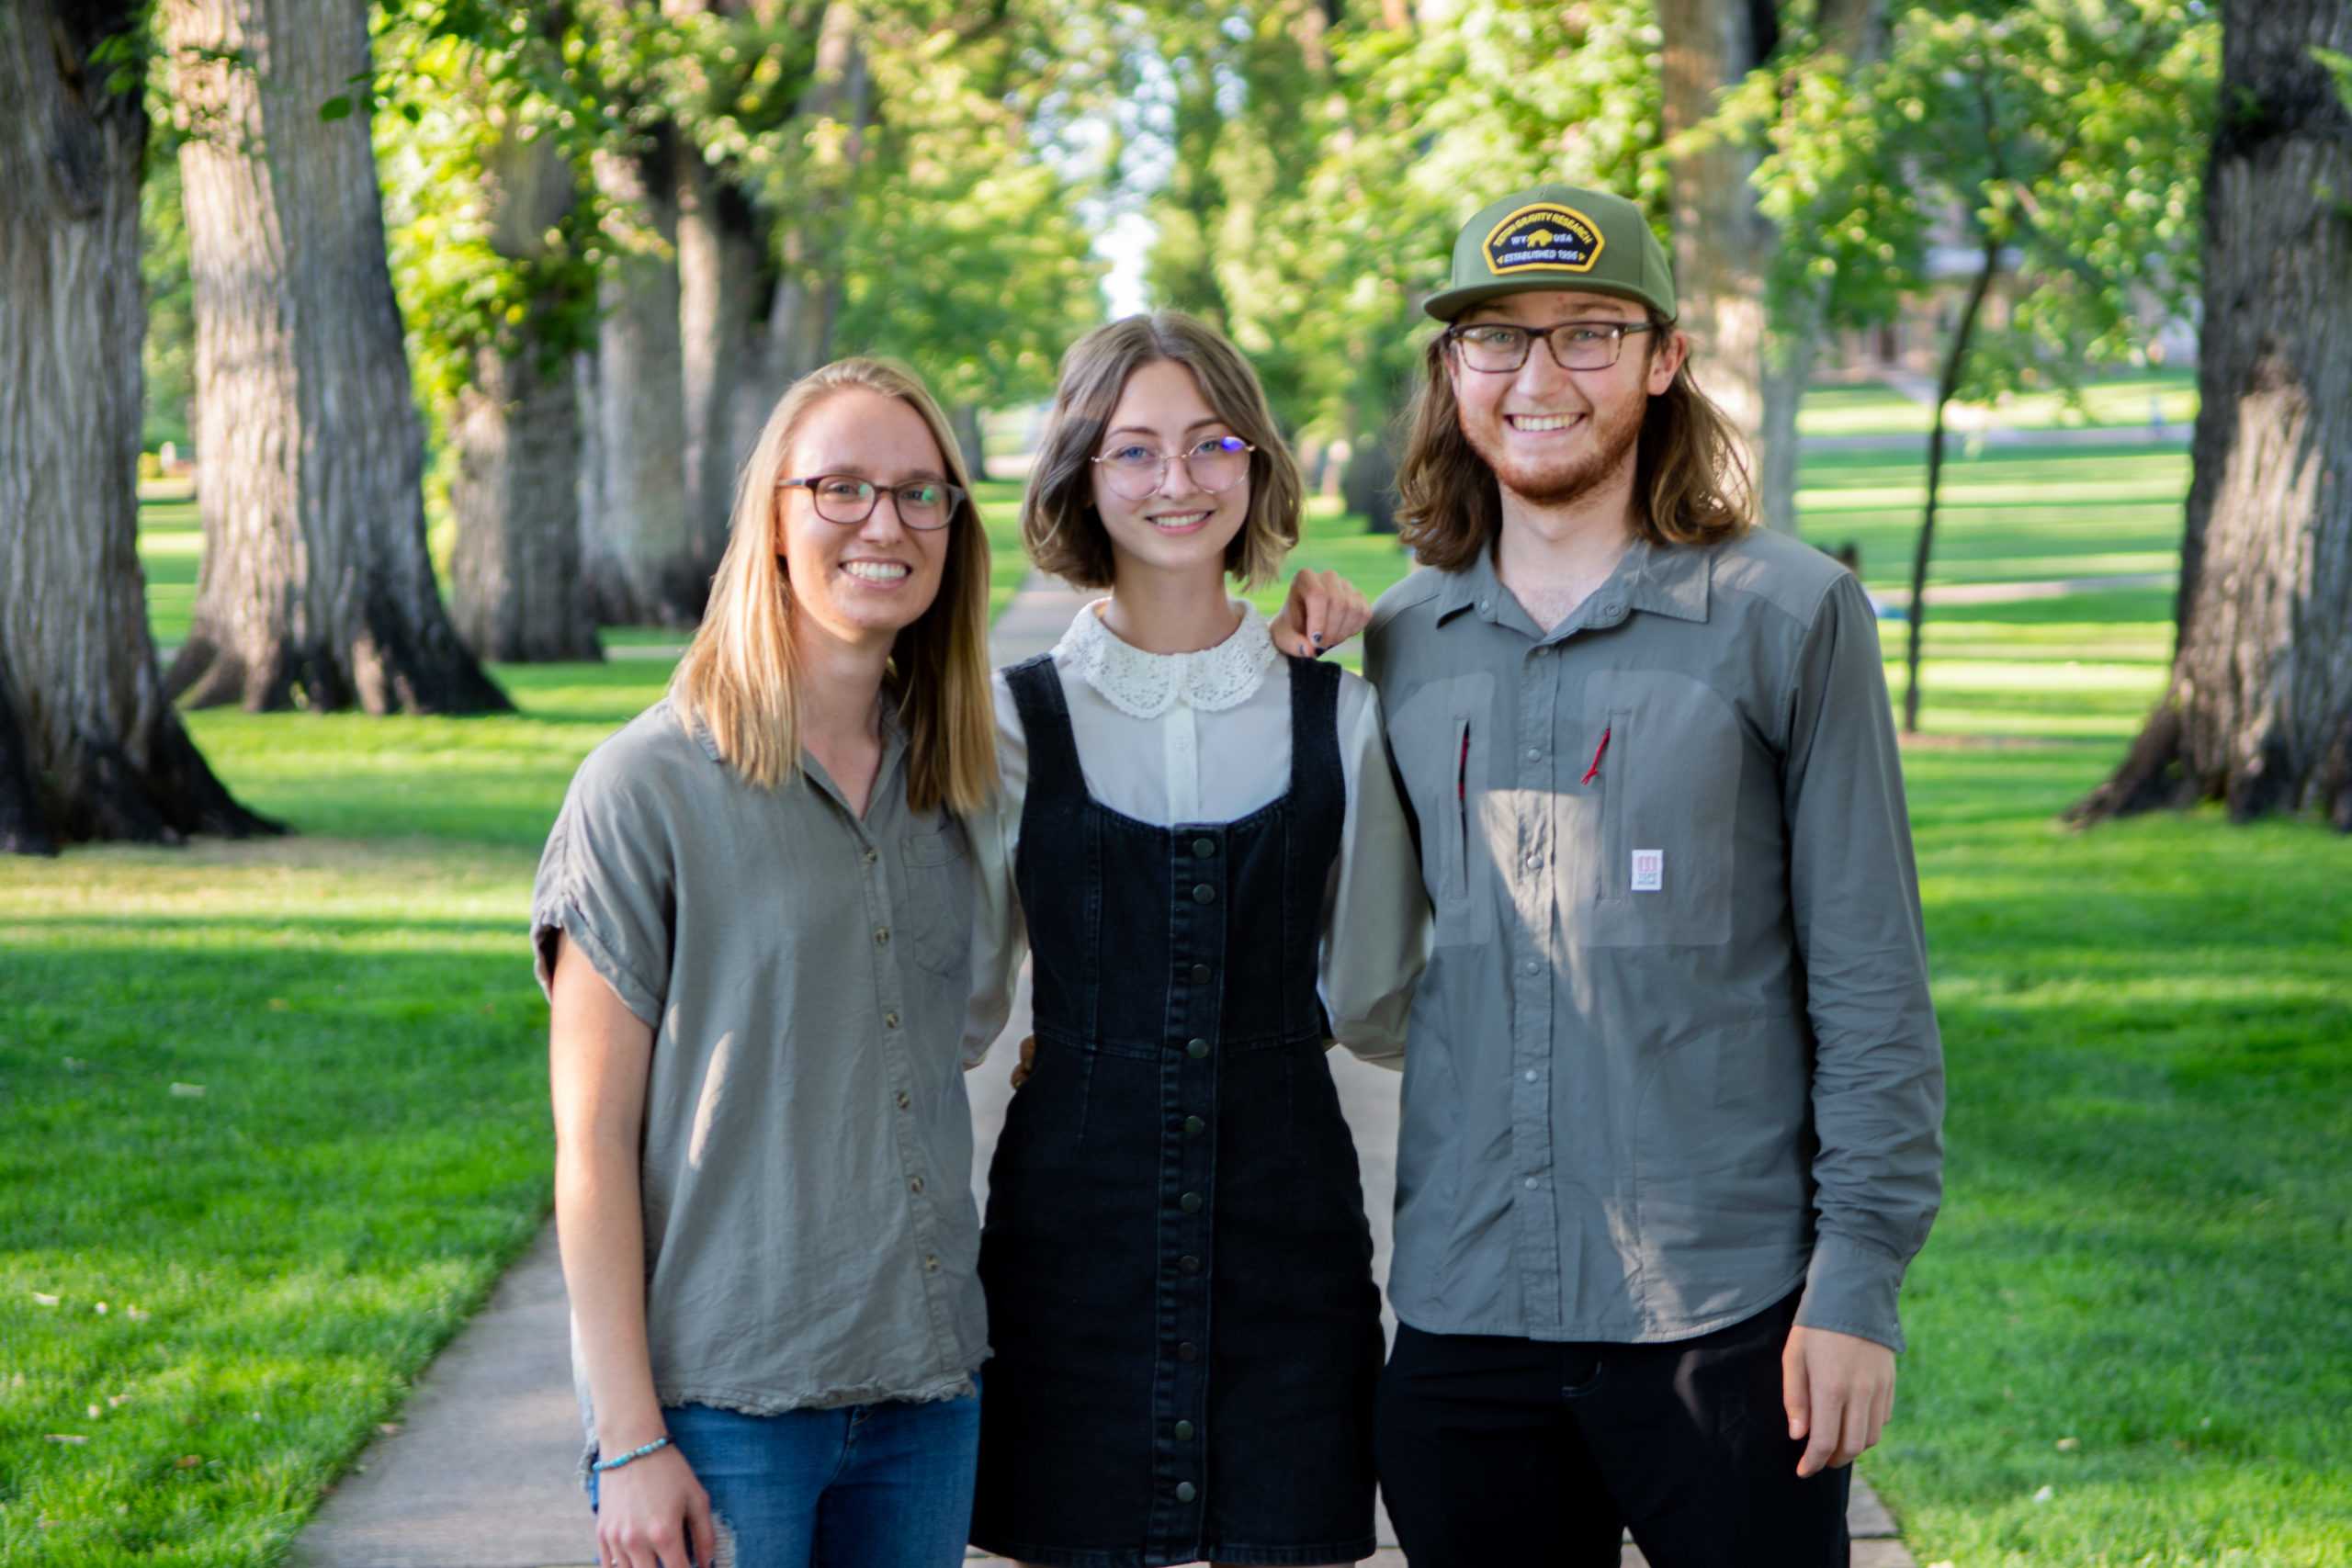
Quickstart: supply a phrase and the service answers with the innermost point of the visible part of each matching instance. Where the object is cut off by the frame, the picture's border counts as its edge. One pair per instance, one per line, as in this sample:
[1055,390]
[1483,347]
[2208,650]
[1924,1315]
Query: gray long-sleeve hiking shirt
[1673,1054]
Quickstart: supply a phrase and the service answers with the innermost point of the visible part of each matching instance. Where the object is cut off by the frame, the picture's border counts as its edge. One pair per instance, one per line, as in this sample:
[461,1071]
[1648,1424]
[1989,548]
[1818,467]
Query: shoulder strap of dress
[1315,776]
[1036,688]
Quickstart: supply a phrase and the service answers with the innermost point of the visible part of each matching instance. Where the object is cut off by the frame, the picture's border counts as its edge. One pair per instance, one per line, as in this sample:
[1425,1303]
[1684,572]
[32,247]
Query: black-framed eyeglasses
[1499,346]
[1136,470]
[847,500]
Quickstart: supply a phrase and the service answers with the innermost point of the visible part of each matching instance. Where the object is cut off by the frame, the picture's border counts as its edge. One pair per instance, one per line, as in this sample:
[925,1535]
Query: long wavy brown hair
[1690,482]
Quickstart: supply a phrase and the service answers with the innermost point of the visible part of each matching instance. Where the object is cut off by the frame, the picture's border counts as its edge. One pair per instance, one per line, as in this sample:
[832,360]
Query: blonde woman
[752,923]
[1200,841]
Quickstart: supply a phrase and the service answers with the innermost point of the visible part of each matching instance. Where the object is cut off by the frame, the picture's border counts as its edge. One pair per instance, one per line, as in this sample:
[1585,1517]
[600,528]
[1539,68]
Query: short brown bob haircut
[1059,524]
[1690,483]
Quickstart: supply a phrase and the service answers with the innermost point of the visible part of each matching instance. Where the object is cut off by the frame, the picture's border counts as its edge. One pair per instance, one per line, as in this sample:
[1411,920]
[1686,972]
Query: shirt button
[1189,1264]
[1186,1491]
[881,936]
[1204,846]
[1613,607]
[1194,1126]
[889,1020]
[1530,967]
[914,1184]
[1530,1075]
[1532,1184]
[1183,1431]
[1196,1049]
[871,855]
[1204,894]
[1535,862]
[1190,1202]
[1485,604]
[1200,973]
[903,1100]
[1534,754]
[1188,1351]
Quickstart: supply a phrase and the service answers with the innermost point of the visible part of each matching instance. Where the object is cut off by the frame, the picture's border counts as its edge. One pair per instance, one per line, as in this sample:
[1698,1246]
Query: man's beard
[1610,451]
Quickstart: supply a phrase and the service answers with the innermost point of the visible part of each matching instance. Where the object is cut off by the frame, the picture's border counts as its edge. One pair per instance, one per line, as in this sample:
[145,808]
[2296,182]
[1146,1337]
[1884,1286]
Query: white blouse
[1169,738]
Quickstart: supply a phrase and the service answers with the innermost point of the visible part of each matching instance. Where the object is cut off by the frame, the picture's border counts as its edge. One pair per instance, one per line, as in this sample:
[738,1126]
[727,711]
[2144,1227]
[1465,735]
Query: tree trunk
[800,334]
[1947,388]
[518,595]
[1720,241]
[720,258]
[969,438]
[89,748]
[315,587]
[1368,482]
[1757,355]
[2259,714]
[643,566]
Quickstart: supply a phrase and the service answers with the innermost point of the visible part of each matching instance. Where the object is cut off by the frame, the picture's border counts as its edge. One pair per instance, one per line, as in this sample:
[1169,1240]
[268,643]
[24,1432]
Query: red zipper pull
[1593,772]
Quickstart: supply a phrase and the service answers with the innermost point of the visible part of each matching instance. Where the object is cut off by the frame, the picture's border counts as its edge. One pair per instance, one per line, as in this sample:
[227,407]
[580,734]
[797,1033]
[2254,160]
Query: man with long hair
[1673,1090]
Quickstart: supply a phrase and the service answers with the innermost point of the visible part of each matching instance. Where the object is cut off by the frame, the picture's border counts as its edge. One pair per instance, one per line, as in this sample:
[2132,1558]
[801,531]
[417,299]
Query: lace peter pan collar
[1145,686]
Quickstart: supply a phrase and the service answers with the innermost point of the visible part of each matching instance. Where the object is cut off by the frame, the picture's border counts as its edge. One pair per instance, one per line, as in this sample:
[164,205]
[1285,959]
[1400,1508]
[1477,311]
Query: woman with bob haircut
[753,922]
[1200,841]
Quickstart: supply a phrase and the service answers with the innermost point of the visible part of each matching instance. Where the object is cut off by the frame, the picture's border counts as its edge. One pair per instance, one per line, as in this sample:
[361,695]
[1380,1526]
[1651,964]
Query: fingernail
[1316,641]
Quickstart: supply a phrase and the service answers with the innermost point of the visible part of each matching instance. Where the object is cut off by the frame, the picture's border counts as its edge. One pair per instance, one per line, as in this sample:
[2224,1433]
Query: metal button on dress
[904,1099]
[1200,973]
[1194,1126]
[1190,1202]
[1204,846]
[1183,1431]
[881,936]
[930,1264]
[889,1020]
[914,1184]
[871,855]
[1188,1351]
[1204,894]
[1196,1049]
[1189,1264]
[1186,1491]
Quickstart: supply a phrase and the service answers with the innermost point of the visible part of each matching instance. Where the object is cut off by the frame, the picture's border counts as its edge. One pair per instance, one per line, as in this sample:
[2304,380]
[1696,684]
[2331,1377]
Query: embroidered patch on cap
[1546,237]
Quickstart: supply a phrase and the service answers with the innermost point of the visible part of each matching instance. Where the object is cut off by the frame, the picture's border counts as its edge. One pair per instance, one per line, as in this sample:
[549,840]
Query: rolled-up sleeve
[607,881]
[1877,1084]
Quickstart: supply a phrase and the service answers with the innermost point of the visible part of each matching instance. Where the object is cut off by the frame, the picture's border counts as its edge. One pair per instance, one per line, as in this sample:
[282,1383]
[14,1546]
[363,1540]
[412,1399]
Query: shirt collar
[1668,580]
[1145,686]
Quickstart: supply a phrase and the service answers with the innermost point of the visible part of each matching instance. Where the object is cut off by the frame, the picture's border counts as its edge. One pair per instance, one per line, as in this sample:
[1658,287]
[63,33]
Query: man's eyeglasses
[847,500]
[1136,471]
[1499,346]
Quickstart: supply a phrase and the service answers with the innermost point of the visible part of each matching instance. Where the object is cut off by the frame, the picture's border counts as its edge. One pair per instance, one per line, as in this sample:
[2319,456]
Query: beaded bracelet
[655,1446]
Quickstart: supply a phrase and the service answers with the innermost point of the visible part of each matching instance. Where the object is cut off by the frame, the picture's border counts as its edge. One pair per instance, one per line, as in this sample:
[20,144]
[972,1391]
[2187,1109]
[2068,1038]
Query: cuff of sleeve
[567,917]
[1850,1288]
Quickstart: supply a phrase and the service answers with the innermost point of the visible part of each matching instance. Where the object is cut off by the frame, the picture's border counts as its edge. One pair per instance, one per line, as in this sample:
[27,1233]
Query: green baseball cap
[1555,236]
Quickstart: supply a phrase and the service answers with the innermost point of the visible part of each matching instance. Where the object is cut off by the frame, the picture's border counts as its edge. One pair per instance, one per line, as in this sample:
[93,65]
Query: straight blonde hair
[1059,524]
[1690,484]
[740,678]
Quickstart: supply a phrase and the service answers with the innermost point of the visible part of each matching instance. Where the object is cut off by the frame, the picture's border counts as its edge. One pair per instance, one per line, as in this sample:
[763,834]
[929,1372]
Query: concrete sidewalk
[479,1471]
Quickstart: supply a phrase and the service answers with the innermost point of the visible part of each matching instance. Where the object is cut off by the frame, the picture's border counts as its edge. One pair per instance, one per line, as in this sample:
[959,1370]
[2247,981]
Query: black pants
[1497,1451]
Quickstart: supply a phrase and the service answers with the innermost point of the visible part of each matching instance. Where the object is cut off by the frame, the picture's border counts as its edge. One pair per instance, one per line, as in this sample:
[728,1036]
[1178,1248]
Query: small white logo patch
[1649,871]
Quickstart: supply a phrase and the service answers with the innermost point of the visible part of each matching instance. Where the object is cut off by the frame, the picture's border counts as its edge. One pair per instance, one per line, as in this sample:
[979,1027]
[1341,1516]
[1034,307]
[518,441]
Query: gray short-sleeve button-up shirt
[810,1238]
[1673,1054]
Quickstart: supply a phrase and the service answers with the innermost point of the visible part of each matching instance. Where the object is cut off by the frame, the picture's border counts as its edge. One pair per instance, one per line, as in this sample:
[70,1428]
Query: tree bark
[720,271]
[518,593]
[315,587]
[970,440]
[1758,355]
[89,748]
[1720,241]
[643,565]
[1947,388]
[2259,712]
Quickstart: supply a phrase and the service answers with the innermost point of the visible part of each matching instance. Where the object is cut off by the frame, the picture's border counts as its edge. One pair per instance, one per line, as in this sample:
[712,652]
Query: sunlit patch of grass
[1873,408]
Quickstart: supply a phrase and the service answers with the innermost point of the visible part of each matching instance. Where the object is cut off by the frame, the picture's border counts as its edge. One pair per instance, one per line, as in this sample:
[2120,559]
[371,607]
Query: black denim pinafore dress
[1177,1268]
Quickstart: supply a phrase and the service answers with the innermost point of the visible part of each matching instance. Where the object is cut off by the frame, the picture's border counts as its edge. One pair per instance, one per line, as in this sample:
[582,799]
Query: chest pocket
[1669,819]
[1442,738]
[935,912]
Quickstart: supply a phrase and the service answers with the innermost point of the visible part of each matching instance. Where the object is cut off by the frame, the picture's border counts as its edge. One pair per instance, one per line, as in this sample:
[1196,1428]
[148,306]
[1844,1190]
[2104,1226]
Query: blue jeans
[869,1486]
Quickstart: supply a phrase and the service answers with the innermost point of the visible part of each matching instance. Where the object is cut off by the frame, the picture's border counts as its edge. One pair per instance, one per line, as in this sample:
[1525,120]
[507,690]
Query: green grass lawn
[2135,1302]
[1873,408]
